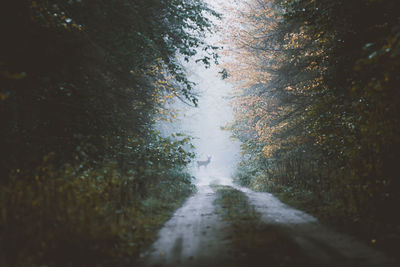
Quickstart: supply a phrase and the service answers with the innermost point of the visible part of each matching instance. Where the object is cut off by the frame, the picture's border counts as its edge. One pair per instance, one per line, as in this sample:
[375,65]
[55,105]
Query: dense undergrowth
[77,215]
[74,217]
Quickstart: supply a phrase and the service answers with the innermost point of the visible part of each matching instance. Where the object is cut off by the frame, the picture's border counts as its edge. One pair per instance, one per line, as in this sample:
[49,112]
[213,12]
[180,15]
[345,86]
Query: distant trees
[81,82]
[318,109]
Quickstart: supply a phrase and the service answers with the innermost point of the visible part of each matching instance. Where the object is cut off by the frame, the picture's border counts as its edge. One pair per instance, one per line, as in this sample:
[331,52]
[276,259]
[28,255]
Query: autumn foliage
[317,104]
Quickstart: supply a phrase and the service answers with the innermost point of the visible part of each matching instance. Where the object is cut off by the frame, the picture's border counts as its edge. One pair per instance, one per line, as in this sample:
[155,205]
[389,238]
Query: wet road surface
[194,236]
[197,236]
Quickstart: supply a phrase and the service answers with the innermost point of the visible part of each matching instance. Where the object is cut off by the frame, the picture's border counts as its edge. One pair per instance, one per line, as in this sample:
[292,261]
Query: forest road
[194,236]
[197,236]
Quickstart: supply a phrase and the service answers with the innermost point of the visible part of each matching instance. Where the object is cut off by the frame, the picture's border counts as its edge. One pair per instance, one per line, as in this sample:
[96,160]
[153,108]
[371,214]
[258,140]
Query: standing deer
[204,162]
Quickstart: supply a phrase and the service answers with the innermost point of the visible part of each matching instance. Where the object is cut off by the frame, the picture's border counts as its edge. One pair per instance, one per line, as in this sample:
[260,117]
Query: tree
[318,105]
[80,72]
[82,82]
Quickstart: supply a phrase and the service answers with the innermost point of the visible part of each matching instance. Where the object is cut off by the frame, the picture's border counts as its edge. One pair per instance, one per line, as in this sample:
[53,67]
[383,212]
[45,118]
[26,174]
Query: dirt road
[196,235]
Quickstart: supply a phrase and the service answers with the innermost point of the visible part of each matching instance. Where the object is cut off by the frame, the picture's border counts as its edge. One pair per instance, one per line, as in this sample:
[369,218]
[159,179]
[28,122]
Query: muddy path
[194,236]
[197,235]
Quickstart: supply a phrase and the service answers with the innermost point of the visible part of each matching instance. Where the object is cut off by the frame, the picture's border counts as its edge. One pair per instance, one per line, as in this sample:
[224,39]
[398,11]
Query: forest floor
[225,225]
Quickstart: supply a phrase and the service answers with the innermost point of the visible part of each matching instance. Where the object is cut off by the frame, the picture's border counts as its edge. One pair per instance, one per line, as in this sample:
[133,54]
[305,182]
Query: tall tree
[319,106]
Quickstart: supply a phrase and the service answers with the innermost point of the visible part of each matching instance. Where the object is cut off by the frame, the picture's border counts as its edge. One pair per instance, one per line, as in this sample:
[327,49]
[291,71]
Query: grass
[255,243]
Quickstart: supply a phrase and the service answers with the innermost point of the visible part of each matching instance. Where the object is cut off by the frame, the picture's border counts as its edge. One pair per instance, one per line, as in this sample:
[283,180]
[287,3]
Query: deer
[204,162]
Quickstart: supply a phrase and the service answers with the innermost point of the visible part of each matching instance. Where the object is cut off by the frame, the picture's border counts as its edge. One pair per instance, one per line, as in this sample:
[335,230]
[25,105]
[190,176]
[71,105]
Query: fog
[204,124]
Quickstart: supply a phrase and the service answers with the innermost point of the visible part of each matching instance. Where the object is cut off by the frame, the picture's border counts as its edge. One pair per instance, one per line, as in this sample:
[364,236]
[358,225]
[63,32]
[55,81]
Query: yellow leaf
[3,96]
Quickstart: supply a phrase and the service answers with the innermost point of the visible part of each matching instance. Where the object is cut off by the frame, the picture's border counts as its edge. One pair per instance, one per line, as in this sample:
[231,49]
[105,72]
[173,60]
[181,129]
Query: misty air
[209,133]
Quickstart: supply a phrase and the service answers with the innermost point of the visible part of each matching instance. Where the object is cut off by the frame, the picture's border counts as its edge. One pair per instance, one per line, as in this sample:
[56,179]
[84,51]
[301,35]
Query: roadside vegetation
[317,108]
[85,179]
